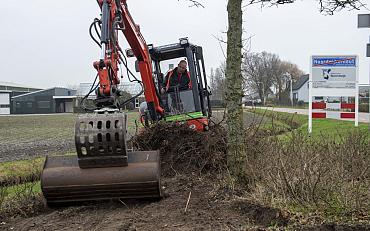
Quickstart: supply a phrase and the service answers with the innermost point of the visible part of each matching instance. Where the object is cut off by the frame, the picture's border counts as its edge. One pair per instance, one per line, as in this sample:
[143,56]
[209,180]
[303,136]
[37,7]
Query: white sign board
[333,76]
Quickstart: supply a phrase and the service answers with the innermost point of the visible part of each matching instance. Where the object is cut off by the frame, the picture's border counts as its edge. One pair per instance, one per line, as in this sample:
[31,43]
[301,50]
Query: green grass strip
[21,169]
[320,127]
[21,189]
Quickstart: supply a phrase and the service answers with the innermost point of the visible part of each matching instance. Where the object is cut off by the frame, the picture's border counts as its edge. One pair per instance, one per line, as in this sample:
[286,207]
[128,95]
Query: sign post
[333,77]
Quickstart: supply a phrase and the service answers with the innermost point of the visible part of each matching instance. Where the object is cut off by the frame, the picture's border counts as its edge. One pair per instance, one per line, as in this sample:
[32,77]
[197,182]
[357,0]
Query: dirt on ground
[192,203]
[27,150]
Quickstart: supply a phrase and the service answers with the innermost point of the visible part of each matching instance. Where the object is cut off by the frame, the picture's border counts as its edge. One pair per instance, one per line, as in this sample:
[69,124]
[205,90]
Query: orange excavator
[103,167]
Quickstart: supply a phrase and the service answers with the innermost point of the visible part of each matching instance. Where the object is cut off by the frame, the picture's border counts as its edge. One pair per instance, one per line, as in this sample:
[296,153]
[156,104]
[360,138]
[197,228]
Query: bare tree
[236,155]
[217,84]
[289,73]
[282,74]
[263,71]
[257,73]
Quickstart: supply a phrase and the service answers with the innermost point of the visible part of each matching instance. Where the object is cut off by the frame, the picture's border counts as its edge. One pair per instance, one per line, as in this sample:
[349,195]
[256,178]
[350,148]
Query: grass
[19,129]
[24,169]
[320,127]
[21,200]
[305,106]
[25,188]
[31,128]
[19,183]
[133,122]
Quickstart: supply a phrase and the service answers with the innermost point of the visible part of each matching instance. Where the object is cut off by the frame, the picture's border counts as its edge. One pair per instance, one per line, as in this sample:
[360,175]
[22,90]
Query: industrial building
[9,90]
[52,100]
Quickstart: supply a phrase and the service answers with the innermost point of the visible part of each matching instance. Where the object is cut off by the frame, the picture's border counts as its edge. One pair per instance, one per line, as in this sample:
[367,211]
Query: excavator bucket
[103,168]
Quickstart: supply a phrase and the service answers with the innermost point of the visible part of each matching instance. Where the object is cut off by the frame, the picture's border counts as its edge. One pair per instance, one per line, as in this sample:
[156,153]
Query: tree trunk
[236,155]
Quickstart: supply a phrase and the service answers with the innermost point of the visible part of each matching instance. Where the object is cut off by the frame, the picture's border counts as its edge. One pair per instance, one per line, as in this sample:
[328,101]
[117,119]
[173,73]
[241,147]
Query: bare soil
[207,209]
[31,149]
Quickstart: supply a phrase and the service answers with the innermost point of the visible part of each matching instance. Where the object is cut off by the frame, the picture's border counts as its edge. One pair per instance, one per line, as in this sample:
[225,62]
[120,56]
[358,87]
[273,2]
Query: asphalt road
[363,117]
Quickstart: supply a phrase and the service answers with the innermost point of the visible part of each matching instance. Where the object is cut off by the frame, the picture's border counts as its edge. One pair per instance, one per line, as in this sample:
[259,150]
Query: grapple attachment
[101,140]
[103,168]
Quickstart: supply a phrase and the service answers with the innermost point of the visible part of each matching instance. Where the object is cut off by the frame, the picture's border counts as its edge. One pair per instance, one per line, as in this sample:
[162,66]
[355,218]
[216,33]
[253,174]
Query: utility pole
[291,89]
[289,76]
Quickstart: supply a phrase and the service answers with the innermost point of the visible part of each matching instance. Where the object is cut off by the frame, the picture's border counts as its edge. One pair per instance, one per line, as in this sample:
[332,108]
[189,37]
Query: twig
[119,199]
[187,203]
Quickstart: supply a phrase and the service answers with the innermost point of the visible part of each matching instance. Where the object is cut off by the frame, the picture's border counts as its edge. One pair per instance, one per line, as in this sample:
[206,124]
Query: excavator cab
[191,105]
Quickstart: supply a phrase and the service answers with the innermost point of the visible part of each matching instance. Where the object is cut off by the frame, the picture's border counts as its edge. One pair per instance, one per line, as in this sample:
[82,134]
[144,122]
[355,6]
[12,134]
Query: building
[300,89]
[52,100]
[133,89]
[9,90]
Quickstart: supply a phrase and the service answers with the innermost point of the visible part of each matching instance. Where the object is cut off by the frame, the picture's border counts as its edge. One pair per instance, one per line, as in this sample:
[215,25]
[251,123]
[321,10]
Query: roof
[10,84]
[132,88]
[35,92]
[300,82]
[83,89]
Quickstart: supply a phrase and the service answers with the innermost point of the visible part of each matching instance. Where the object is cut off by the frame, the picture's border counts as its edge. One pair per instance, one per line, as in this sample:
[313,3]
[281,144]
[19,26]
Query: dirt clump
[262,215]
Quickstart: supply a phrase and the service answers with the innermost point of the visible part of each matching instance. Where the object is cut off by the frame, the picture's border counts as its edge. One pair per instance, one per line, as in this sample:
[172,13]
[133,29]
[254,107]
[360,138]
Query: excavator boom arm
[116,17]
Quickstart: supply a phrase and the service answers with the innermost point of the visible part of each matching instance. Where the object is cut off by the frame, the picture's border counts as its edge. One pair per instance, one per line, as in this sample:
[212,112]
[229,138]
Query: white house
[300,89]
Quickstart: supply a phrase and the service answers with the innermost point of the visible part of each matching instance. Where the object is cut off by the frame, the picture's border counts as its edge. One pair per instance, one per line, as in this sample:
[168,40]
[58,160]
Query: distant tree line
[264,75]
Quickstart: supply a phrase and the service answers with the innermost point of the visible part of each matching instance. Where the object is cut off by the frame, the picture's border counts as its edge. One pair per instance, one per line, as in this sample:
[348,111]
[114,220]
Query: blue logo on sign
[334,62]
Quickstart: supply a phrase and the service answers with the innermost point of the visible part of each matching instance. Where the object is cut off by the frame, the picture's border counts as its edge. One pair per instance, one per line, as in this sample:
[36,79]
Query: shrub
[324,175]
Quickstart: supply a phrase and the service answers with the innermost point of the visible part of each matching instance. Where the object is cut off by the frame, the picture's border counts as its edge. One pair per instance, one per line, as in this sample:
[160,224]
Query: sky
[46,43]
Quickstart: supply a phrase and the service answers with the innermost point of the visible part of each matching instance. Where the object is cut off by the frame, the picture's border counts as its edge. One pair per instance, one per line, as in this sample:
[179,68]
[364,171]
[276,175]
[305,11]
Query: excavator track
[102,168]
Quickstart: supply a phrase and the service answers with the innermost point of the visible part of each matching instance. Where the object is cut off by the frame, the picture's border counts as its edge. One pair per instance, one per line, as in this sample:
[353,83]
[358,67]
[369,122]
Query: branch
[326,6]
[195,3]
[220,40]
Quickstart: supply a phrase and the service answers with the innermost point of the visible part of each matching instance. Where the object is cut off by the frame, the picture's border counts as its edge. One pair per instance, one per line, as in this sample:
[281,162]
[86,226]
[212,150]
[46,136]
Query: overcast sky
[46,43]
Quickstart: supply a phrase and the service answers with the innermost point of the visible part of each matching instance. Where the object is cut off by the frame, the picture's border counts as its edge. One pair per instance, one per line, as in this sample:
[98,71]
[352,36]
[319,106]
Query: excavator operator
[178,78]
